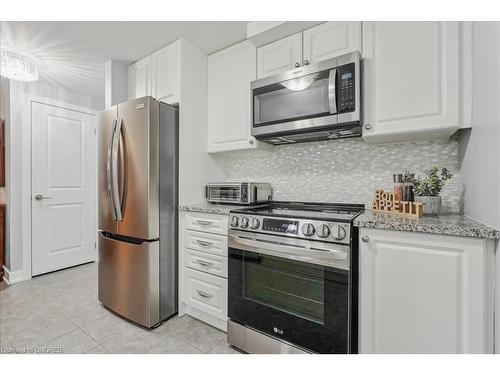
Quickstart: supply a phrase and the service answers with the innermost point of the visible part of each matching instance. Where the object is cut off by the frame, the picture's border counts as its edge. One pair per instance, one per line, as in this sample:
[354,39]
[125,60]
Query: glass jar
[409,192]
[399,187]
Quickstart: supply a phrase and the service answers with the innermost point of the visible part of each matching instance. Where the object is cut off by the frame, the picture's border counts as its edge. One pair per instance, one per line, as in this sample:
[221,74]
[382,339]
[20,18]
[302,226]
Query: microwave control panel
[347,94]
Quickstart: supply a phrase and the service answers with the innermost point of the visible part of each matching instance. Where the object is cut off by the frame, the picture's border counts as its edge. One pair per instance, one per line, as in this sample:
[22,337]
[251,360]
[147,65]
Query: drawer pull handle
[204,243]
[204,222]
[203,263]
[204,295]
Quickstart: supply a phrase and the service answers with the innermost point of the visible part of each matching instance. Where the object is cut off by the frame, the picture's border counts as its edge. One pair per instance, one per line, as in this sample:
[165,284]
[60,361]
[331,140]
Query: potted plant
[427,189]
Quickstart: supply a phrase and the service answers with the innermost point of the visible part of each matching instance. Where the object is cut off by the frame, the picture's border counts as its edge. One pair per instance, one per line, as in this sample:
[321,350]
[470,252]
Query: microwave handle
[332,91]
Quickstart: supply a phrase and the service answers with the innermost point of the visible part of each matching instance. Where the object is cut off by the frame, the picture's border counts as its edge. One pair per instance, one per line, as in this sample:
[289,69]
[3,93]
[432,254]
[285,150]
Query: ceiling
[71,55]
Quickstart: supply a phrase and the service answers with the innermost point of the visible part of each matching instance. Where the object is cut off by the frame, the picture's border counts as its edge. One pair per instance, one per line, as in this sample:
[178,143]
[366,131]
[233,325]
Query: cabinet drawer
[206,242]
[214,264]
[207,223]
[206,292]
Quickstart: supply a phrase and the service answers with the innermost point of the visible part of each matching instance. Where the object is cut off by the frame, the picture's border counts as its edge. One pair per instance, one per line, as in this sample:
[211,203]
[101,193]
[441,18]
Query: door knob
[306,62]
[40,197]
[365,239]
[368,126]
[297,65]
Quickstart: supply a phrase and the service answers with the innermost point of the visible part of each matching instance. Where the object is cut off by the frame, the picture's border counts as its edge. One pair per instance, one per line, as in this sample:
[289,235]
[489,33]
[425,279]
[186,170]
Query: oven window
[295,288]
[297,98]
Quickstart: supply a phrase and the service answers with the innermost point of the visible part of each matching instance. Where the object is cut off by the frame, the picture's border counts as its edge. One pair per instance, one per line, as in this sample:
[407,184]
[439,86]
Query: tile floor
[59,313]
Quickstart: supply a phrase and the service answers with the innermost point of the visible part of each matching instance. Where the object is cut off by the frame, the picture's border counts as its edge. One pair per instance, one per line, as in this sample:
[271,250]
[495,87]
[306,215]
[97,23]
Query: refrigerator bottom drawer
[129,279]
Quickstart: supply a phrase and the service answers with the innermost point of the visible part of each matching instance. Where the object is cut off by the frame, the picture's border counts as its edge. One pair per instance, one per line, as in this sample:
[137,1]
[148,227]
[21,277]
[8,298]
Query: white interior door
[63,188]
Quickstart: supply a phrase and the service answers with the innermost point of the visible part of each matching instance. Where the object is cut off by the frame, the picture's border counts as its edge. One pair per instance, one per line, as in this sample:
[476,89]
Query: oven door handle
[307,254]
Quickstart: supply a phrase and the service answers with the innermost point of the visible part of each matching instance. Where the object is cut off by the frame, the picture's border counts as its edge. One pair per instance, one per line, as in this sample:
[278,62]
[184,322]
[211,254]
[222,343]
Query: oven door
[291,289]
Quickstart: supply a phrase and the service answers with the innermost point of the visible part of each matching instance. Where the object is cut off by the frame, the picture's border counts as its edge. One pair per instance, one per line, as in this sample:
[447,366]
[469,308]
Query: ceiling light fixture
[18,67]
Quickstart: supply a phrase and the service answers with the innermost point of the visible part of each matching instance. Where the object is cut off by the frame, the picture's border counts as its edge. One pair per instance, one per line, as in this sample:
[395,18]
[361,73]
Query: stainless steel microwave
[313,102]
[238,192]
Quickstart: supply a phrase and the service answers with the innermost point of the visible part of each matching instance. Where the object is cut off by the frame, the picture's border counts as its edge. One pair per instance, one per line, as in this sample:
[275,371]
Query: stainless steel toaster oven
[238,192]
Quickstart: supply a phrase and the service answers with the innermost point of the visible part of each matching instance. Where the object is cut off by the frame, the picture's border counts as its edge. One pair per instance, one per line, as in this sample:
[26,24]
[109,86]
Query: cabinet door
[331,39]
[424,293]
[139,78]
[410,80]
[279,56]
[229,75]
[166,74]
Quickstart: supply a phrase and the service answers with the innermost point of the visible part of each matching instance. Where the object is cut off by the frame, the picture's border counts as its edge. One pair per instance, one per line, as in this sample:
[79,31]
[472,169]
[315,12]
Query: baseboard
[12,277]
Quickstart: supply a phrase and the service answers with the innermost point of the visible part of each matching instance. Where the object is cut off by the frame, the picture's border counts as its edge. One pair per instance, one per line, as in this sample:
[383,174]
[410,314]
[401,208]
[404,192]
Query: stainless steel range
[293,278]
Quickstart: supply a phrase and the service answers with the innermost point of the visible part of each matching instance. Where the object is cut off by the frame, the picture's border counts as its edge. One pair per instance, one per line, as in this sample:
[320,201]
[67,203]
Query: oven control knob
[308,229]
[244,222]
[255,223]
[234,221]
[323,231]
[338,232]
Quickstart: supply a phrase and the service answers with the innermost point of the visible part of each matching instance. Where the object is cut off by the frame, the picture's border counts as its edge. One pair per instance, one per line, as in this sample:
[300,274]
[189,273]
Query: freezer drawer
[129,279]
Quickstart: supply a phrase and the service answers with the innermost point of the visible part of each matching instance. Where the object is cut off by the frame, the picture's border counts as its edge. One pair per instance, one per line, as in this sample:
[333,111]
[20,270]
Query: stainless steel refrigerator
[138,198]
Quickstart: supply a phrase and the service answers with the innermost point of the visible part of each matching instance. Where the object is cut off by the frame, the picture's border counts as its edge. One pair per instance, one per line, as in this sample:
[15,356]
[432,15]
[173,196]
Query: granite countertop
[210,208]
[446,224]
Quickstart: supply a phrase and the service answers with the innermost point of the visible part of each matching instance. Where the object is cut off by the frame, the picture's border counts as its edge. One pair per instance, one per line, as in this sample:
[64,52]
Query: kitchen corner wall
[347,171]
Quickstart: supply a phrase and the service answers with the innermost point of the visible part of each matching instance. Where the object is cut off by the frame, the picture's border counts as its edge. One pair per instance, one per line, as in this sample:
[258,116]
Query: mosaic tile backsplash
[344,171]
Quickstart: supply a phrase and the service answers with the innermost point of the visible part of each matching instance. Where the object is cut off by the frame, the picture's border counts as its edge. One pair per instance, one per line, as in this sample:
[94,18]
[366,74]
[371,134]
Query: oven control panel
[280,225]
[326,231]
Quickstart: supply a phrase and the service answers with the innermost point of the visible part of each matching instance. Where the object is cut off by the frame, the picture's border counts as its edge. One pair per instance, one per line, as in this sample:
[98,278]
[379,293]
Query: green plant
[433,182]
[408,178]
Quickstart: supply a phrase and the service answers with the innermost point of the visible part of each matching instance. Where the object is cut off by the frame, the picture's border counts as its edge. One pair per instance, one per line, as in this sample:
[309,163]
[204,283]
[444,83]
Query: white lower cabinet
[213,264]
[425,293]
[203,267]
[207,293]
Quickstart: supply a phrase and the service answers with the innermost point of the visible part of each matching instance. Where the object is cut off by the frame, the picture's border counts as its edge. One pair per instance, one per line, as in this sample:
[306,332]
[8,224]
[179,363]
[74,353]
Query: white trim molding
[12,277]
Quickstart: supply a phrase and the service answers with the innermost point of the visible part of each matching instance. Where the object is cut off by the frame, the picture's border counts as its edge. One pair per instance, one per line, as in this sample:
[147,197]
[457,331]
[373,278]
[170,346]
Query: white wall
[480,146]
[116,87]
[196,166]
[17,157]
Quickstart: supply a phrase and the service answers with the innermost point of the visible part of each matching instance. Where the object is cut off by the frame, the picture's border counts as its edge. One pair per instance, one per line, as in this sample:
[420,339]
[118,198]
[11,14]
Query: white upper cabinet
[140,79]
[166,74]
[157,75]
[230,72]
[331,39]
[279,56]
[425,293]
[411,80]
[322,42]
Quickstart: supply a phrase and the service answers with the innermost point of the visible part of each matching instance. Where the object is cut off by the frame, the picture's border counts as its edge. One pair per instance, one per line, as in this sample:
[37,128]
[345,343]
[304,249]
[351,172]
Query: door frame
[27,167]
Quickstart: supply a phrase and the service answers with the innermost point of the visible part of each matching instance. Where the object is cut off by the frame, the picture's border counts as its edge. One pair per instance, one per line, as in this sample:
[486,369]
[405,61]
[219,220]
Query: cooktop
[304,210]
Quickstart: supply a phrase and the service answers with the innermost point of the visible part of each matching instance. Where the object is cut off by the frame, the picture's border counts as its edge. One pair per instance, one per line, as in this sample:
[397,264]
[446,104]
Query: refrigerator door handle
[115,186]
[109,170]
